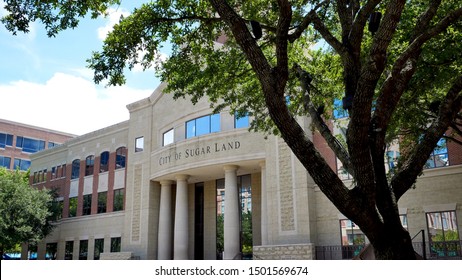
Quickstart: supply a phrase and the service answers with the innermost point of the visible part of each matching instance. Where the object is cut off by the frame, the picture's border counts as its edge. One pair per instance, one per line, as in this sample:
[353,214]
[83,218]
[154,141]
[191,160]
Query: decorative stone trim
[284,252]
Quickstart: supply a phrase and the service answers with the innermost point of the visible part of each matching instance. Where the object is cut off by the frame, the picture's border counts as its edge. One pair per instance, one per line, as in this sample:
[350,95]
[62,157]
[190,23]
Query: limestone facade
[171,184]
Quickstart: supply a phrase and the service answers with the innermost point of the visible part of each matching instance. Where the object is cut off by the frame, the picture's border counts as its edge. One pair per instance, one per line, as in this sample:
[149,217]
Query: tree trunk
[393,243]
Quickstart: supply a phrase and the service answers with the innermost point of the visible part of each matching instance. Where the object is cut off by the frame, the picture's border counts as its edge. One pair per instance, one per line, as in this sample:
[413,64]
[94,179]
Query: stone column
[181,237]
[231,223]
[264,207]
[164,238]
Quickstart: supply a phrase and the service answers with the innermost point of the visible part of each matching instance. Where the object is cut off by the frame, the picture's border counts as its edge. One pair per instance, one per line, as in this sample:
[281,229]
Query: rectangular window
[241,121]
[86,205]
[83,250]
[32,251]
[6,140]
[102,202]
[115,244]
[53,172]
[69,250]
[168,137]
[72,206]
[118,200]
[203,125]
[99,248]
[5,162]
[139,144]
[51,251]
[21,164]
[29,145]
[121,154]
[439,156]
[443,234]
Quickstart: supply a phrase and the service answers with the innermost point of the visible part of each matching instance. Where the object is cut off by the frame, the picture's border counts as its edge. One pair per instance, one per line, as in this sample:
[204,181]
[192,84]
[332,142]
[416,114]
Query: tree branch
[321,126]
[285,17]
[327,35]
[360,125]
[403,70]
[307,20]
[406,177]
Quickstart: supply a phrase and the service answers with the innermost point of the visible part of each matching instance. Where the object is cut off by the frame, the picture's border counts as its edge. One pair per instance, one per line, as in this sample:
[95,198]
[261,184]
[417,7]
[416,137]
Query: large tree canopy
[399,77]
[25,213]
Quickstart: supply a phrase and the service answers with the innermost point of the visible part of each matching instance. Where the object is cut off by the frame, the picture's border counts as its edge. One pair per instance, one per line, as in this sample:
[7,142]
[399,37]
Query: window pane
[443,232]
[120,157]
[75,169]
[115,244]
[51,251]
[9,140]
[86,204]
[139,144]
[104,162]
[215,123]
[89,164]
[102,199]
[19,141]
[168,137]
[21,164]
[69,250]
[72,206]
[118,200]
[203,125]
[99,248]
[83,250]
[5,162]
[241,122]
[190,129]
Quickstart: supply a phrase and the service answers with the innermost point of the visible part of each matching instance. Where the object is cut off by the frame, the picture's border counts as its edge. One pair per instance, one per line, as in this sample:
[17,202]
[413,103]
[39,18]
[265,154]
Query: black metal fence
[441,250]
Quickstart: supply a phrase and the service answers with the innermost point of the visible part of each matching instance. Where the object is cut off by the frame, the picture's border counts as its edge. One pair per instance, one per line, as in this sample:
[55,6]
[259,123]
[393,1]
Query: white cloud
[67,103]
[114,17]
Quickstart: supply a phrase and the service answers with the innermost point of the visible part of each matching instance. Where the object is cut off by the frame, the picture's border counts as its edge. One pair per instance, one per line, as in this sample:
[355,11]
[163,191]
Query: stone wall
[116,256]
[284,252]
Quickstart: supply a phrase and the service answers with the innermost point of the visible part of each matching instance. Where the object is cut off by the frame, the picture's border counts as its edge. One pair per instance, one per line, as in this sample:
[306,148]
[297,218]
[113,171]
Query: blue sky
[44,81]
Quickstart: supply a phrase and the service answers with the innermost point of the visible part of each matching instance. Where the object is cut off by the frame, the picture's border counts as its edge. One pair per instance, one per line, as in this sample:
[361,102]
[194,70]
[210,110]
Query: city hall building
[176,181]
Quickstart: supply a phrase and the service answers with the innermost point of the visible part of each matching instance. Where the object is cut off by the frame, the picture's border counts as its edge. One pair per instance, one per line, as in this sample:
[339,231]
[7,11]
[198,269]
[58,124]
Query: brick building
[18,141]
[156,186]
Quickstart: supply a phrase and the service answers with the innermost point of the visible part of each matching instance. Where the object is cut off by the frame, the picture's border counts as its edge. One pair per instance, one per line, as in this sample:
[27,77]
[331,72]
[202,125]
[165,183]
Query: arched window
[104,162]
[89,163]
[121,154]
[75,169]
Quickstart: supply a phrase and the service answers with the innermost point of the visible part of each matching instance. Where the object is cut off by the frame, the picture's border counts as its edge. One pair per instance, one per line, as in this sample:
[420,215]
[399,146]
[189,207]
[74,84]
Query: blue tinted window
[89,164]
[5,162]
[120,157]
[104,162]
[19,140]
[339,112]
[191,129]
[439,156]
[6,140]
[21,164]
[75,169]
[215,123]
[241,122]
[29,145]
[203,125]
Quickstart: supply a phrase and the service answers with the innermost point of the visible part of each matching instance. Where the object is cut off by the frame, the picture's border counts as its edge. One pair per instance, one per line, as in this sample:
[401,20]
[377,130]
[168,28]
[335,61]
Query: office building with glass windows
[177,181]
[18,141]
